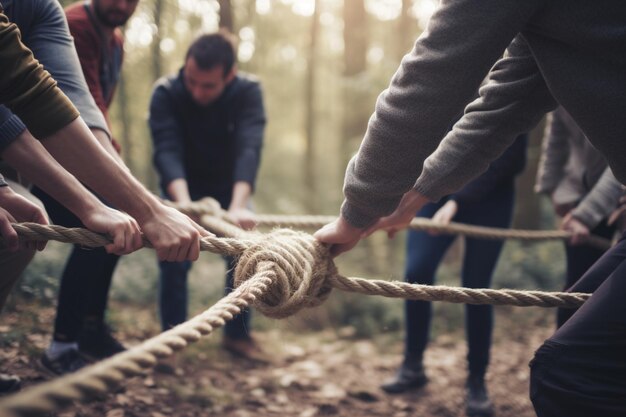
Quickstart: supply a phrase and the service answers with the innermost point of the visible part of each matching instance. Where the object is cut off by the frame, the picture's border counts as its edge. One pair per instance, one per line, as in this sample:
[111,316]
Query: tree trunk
[357,108]
[406,30]
[528,207]
[227,20]
[157,68]
[124,118]
[309,96]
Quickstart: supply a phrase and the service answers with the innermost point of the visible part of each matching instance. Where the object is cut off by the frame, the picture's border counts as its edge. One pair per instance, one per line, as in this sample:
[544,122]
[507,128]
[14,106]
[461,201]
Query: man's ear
[231,74]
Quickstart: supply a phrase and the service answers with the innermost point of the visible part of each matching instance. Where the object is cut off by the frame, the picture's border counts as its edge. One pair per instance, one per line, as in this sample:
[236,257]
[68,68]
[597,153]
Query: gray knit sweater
[573,172]
[572,50]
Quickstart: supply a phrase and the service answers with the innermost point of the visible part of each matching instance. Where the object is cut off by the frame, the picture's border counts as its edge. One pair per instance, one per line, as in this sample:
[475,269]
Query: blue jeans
[173,298]
[424,254]
[44,31]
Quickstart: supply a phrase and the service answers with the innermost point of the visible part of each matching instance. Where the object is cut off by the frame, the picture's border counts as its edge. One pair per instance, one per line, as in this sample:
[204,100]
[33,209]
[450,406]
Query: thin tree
[227,20]
[309,96]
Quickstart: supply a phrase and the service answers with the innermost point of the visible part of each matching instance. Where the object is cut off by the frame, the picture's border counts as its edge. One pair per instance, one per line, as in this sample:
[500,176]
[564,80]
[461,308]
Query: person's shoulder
[247,80]
[245,85]
[168,85]
[76,13]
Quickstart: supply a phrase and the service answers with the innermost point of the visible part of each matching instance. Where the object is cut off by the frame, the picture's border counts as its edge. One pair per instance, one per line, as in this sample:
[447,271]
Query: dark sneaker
[9,384]
[405,379]
[69,361]
[477,402]
[99,343]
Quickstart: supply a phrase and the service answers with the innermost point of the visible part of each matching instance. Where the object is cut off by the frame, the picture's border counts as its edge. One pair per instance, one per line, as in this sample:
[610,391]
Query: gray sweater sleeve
[554,155]
[512,101]
[600,201]
[433,83]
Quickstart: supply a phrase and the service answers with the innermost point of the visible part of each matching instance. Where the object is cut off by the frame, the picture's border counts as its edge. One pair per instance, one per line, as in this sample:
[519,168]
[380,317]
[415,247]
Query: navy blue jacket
[212,146]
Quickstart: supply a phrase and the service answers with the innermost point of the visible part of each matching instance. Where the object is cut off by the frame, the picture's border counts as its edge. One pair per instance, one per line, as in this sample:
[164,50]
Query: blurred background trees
[322,64]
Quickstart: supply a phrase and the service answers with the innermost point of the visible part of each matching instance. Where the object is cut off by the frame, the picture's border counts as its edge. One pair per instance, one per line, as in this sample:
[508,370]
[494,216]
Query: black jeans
[579,259]
[581,370]
[425,252]
[86,279]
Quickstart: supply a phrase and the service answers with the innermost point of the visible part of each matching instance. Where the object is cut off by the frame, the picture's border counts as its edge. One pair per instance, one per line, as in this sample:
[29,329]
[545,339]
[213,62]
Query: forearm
[178,191]
[105,140]
[513,101]
[242,191]
[28,156]
[431,87]
[555,151]
[79,152]
[600,202]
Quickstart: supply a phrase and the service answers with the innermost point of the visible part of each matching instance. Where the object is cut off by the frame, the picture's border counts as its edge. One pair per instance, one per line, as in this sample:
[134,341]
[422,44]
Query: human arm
[238,209]
[555,151]
[29,157]
[432,85]
[15,208]
[27,89]
[168,151]
[597,205]
[174,236]
[250,123]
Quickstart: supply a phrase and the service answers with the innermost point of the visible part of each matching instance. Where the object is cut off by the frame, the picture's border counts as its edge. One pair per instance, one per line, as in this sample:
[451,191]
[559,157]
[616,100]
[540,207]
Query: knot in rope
[299,267]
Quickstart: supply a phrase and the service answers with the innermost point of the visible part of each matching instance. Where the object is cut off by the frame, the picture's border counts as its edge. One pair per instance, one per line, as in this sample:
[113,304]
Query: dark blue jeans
[424,254]
[581,370]
[86,279]
[173,298]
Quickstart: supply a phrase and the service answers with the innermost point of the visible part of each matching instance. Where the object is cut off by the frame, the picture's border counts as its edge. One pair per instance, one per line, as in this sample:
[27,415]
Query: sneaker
[477,402]
[406,378]
[98,343]
[245,347]
[9,384]
[68,362]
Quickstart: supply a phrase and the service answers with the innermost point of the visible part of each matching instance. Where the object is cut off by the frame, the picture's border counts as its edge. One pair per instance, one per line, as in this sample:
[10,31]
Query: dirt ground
[325,373]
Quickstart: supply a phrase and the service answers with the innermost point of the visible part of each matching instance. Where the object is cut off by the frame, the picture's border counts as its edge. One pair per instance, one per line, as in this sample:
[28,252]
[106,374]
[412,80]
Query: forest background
[322,63]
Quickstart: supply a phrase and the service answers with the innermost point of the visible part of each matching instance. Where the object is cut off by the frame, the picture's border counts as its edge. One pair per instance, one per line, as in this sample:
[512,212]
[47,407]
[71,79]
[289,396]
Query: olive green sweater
[27,89]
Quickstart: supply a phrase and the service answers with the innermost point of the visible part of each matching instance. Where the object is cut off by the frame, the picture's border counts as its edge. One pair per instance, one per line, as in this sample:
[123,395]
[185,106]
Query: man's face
[114,13]
[205,86]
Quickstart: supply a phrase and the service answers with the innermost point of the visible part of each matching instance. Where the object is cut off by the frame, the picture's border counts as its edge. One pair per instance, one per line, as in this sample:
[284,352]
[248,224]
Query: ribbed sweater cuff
[428,189]
[9,131]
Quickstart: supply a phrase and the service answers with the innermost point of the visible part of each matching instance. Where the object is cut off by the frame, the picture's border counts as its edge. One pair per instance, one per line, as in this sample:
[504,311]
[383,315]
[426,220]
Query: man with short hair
[80,331]
[207,126]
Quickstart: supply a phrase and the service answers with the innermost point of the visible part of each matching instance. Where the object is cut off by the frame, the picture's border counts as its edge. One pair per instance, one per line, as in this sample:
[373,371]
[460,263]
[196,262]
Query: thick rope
[305,270]
[102,376]
[279,273]
[209,206]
